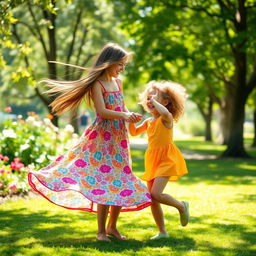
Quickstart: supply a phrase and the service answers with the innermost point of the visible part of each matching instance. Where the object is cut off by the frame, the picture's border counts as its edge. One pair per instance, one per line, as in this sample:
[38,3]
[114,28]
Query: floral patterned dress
[97,170]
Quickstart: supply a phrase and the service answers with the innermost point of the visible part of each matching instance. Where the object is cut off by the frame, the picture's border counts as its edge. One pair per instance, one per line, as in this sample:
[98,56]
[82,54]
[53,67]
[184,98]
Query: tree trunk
[208,129]
[254,122]
[206,112]
[235,143]
[225,119]
[52,69]
[208,121]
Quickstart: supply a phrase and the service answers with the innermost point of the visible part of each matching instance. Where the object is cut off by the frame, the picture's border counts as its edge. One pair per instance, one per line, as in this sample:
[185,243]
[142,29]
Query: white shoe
[159,236]
[184,217]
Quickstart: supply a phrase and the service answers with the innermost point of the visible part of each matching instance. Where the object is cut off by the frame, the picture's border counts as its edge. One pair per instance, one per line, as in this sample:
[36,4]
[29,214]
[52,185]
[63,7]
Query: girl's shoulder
[167,125]
[97,83]
[119,83]
[98,86]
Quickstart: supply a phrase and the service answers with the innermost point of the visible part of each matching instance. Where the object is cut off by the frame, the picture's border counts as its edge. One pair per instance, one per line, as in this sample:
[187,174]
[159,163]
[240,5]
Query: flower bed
[29,144]
[13,176]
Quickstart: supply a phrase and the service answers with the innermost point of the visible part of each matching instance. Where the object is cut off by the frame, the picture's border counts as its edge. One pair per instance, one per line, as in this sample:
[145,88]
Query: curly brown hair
[168,90]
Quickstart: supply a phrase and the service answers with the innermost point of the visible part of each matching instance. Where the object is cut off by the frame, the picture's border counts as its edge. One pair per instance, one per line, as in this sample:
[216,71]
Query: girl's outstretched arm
[163,111]
[139,116]
[138,130]
[107,113]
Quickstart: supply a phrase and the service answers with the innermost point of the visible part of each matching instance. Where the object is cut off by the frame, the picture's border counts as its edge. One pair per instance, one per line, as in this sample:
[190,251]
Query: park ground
[222,198]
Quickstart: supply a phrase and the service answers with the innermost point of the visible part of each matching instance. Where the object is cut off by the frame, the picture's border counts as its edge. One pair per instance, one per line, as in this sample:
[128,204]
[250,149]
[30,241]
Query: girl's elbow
[102,114]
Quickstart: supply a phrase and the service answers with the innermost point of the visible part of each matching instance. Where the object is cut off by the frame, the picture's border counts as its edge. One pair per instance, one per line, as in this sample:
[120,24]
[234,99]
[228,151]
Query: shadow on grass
[199,145]
[244,199]
[116,246]
[26,230]
[243,239]
[228,172]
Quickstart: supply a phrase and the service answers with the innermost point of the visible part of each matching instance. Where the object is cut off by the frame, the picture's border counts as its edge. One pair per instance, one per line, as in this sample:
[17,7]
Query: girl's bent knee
[156,196]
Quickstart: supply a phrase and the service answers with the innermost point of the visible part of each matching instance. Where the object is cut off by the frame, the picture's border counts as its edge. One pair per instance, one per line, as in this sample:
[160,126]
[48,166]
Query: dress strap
[118,85]
[102,86]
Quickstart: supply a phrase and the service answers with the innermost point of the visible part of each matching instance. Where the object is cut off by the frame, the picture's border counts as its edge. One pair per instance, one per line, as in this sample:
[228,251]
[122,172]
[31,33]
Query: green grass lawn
[197,144]
[222,203]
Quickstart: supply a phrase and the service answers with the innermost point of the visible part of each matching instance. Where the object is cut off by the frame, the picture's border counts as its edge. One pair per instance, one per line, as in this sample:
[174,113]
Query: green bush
[34,141]
[29,144]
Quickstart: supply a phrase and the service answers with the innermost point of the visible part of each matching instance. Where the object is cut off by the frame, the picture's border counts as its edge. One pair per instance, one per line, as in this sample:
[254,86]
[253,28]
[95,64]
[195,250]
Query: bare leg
[111,228]
[157,212]
[157,194]
[102,217]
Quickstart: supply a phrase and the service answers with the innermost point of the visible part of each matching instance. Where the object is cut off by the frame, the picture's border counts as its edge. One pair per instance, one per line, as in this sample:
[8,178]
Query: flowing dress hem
[140,207]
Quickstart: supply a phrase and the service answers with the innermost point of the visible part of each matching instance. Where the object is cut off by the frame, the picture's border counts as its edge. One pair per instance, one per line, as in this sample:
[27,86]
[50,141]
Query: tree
[254,122]
[67,31]
[238,24]
[221,33]
[252,105]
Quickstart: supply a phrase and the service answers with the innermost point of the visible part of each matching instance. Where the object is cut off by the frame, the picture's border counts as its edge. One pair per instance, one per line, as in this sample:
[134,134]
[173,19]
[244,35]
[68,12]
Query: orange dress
[162,157]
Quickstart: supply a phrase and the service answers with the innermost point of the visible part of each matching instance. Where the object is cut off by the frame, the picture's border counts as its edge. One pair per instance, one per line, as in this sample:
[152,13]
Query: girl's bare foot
[103,237]
[116,234]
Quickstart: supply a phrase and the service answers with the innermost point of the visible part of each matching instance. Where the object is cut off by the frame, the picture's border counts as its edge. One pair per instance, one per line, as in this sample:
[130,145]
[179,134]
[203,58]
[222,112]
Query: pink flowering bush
[13,176]
[29,143]
[34,141]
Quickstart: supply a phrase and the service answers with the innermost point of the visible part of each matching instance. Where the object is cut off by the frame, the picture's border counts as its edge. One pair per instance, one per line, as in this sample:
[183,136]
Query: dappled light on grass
[34,227]
[230,172]
[222,204]
[199,145]
[246,166]
[220,172]
[193,145]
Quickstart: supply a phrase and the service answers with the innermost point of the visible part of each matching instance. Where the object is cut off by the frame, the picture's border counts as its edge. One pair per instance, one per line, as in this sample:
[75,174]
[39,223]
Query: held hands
[132,117]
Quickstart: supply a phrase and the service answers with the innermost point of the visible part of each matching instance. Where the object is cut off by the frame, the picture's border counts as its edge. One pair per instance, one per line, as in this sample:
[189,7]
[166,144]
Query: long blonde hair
[71,93]
[171,91]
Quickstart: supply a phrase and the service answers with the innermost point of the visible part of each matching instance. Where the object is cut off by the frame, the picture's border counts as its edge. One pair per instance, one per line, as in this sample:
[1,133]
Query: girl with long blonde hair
[96,173]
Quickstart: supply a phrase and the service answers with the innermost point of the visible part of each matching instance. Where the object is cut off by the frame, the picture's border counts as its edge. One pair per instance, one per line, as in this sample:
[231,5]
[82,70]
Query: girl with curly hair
[164,162]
